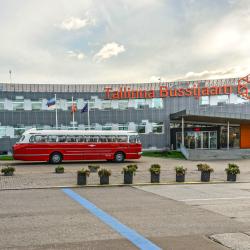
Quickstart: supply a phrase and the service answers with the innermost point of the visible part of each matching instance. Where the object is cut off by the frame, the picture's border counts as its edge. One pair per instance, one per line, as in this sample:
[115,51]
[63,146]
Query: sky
[123,41]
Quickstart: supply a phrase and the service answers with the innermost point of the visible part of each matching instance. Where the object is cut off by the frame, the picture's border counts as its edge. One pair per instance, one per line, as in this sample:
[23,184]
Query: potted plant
[93,168]
[8,171]
[82,175]
[104,175]
[180,173]
[129,172]
[59,170]
[232,170]
[155,170]
[205,171]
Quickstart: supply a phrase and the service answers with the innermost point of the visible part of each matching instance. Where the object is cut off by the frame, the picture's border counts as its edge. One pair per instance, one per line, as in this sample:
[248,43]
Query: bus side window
[111,138]
[93,138]
[80,138]
[61,138]
[132,139]
[40,138]
[122,138]
[71,139]
[52,138]
[103,138]
[32,138]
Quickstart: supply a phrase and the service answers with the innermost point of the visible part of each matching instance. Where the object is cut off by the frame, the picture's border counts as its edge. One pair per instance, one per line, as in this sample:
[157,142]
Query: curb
[125,185]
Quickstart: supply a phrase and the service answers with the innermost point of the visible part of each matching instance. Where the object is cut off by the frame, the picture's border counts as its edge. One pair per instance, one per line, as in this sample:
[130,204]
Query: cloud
[75,23]
[236,71]
[109,50]
[77,55]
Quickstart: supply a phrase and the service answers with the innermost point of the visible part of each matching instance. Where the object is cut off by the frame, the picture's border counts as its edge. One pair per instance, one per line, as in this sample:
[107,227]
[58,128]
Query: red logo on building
[243,87]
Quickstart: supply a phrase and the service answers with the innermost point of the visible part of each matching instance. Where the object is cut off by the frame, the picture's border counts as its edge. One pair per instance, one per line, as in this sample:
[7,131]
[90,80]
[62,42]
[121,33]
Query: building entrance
[198,139]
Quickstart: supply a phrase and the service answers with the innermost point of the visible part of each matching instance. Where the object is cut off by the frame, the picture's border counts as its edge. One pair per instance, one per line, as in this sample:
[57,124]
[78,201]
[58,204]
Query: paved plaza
[188,216]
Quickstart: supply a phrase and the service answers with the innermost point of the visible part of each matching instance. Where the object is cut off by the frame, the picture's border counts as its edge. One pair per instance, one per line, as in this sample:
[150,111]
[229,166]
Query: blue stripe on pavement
[125,231]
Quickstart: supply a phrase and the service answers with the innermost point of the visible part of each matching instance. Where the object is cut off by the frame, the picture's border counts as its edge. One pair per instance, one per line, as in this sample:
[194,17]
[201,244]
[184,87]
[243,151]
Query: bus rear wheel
[55,158]
[119,157]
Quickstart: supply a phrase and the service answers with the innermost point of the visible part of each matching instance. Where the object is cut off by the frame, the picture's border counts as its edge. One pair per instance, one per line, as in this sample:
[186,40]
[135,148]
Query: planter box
[8,174]
[205,176]
[155,178]
[180,178]
[231,177]
[61,171]
[128,178]
[104,180]
[81,179]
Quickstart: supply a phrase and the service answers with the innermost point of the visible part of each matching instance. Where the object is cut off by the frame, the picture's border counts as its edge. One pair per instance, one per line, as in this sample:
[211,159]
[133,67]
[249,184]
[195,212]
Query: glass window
[1,104]
[103,138]
[52,138]
[141,128]
[18,132]
[107,127]
[122,138]
[157,103]
[36,105]
[40,138]
[111,138]
[71,138]
[204,100]
[157,128]
[18,105]
[106,104]
[93,138]
[140,103]
[61,138]
[122,126]
[123,104]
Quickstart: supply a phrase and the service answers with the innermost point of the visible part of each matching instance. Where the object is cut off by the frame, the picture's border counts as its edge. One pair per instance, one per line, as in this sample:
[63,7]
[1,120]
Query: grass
[165,154]
[6,158]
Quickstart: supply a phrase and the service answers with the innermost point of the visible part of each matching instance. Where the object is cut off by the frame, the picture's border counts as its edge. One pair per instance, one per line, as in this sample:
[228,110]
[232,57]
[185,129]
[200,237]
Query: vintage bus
[55,146]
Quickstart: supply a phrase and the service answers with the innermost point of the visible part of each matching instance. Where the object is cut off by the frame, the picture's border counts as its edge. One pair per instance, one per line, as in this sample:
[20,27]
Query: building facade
[206,114]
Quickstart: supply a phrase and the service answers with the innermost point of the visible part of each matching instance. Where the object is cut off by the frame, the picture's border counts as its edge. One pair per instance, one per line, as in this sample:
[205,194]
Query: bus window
[80,138]
[32,138]
[103,138]
[122,138]
[111,138]
[40,138]
[71,138]
[52,138]
[132,138]
[61,138]
[93,138]
[21,139]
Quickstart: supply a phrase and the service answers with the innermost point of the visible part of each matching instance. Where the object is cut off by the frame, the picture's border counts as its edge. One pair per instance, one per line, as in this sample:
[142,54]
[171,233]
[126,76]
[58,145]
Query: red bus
[55,146]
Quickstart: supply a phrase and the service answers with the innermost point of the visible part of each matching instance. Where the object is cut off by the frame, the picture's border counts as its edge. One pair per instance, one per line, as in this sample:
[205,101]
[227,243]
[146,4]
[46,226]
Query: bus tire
[119,157]
[55,158]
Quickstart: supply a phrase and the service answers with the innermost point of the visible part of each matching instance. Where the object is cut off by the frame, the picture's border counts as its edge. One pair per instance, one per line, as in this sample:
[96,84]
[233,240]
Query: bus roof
[79,132]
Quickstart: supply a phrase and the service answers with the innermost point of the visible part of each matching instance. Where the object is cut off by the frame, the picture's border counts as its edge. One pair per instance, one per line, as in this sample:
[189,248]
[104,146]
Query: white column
[182,131]
[228,135]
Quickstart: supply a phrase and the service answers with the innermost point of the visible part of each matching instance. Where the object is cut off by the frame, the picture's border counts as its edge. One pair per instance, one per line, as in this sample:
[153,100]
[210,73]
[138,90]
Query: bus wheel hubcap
[119,157]
[56,158]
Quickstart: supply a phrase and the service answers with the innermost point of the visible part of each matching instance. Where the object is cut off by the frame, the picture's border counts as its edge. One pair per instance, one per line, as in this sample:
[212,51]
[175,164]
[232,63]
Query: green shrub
[180,170]
[132,168]
[104,172]
[83,171]
[155,169]
[59,169]
[204,167]
[8,170]
[232,169]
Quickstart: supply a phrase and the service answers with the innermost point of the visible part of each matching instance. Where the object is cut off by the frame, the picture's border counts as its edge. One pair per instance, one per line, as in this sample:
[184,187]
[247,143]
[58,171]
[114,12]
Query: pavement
[186,216]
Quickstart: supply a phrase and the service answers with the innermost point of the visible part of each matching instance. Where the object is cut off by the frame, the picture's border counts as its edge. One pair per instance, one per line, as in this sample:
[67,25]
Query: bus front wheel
[119,157]
[55,158]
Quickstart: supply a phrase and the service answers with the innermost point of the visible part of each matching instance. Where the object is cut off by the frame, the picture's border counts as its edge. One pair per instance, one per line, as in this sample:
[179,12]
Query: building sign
[165,91]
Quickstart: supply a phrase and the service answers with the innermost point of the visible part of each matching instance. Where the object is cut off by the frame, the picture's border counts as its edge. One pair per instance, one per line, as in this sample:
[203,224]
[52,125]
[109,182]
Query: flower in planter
[232,169]
[155,169]
[203,167]
[180,170]
[83,171]
[59,169]
[8,170]
[104,172]
[130,169]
